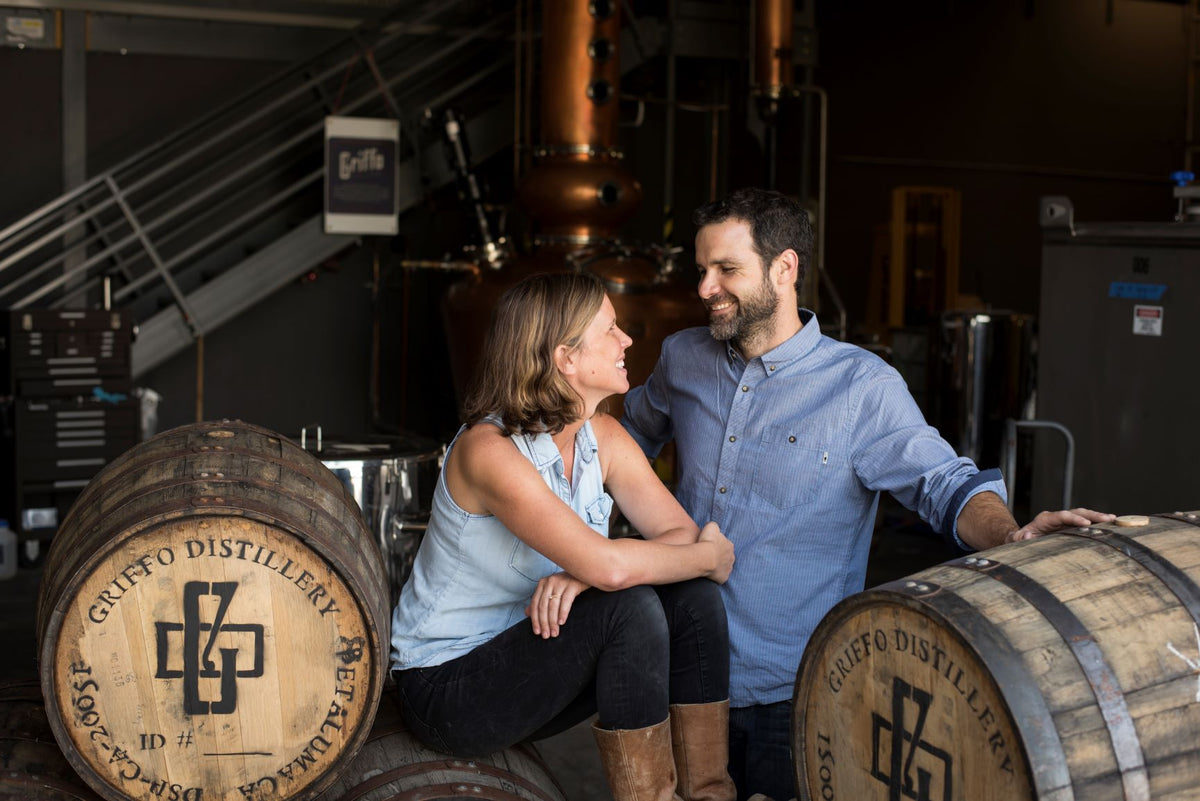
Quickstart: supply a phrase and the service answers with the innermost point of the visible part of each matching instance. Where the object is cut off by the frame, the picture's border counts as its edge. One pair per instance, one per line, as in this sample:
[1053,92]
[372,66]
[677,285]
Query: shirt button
[791,439]
[745,388]
[733,439]
[722,490]
[772,368]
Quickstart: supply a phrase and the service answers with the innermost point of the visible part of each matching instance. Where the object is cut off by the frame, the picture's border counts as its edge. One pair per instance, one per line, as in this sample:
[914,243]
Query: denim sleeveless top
[472,577]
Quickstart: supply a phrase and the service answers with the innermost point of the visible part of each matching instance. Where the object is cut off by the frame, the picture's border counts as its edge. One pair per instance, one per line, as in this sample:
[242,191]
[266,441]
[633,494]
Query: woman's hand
[551,603]
[724,549]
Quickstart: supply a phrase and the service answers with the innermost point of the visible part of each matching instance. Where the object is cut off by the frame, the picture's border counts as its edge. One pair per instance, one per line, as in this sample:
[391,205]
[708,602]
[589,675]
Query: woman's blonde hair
[517,377]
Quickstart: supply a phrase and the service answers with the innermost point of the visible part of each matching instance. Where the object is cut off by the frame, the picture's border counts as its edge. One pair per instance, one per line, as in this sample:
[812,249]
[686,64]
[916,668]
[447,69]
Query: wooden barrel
[32,766]
[394,766]
[212,621]
[1058,668]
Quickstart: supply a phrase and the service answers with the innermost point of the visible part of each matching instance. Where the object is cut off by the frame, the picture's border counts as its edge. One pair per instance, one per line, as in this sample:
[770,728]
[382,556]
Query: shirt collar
[585,442]
[796,346]
[544,452]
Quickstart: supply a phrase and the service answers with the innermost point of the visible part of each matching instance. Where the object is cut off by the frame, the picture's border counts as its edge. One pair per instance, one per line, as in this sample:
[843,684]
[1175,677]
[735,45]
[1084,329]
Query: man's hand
[985,522]
[551,603]
[1049,522]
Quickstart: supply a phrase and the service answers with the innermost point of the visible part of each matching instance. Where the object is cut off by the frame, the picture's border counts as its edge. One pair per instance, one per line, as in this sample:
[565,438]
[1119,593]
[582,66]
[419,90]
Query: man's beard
[753,316]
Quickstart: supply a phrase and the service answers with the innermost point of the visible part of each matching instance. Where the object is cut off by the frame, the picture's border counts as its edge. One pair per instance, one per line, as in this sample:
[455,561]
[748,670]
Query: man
[785,438]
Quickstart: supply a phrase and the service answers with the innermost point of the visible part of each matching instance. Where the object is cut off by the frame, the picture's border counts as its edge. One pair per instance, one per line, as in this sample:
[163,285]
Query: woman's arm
[486,474]
[637,489]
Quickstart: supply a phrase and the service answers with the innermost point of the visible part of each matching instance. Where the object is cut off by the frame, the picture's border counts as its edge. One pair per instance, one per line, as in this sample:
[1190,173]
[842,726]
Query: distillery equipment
[578,193]
[985,376]
[391,477]
[1117,333]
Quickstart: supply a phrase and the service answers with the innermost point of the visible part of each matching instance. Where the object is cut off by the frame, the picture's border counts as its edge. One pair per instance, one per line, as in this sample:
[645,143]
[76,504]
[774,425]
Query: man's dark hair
[776,223]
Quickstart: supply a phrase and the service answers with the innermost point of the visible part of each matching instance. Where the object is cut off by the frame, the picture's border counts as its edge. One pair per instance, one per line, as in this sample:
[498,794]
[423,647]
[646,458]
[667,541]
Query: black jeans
[625,655]
[760,751]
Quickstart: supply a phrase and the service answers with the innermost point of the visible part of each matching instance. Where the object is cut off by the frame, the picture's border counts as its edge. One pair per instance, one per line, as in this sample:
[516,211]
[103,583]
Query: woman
[521,618]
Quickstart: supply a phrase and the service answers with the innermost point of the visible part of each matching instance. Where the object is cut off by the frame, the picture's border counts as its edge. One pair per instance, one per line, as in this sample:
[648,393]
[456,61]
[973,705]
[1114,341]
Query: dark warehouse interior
[1000,193]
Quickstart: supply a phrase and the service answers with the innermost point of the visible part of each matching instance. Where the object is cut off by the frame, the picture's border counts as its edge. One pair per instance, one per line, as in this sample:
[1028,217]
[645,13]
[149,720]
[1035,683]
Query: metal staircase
[210,220]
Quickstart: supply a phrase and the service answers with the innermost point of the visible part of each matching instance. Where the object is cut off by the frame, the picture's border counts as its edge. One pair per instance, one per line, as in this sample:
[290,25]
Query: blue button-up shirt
[788,453]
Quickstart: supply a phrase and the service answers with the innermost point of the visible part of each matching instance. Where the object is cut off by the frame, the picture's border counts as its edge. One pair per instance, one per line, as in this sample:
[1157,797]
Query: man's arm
[985,522]
[647,411]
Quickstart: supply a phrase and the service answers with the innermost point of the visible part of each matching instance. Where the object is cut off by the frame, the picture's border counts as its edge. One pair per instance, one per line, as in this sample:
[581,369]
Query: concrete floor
[575,763]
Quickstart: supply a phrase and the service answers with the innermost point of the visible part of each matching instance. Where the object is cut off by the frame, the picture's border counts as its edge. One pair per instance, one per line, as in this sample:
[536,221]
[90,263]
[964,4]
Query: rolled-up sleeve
[984,481]
[896,451]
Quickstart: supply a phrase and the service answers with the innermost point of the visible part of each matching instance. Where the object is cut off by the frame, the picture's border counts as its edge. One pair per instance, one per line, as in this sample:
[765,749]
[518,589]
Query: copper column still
[579,191]
[578,194]
[772,53]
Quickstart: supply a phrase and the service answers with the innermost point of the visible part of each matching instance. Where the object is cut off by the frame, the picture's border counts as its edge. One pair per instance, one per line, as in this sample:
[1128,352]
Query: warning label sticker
[1148,320]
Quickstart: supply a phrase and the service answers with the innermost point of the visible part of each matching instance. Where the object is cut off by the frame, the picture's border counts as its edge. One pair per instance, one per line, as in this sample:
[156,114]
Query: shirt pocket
[791,465]
[599,510]
[528,563]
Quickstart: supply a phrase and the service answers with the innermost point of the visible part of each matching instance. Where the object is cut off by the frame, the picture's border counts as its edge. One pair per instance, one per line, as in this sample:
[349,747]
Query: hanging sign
[24,29]
[362,177]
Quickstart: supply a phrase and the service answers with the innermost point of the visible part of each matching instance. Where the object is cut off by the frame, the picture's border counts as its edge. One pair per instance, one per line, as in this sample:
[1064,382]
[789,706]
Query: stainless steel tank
[392,478]
[984,376]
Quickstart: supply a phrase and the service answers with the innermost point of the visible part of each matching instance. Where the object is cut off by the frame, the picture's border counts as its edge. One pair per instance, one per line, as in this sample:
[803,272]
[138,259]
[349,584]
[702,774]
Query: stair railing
[155,223]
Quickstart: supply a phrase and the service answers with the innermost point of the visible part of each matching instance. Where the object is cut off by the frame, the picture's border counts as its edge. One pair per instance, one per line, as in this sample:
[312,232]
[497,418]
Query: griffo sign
[361,175]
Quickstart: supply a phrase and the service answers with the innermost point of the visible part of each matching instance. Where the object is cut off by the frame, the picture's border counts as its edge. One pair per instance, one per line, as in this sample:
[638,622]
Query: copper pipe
[200,379]
[1189,135]
[714,136]
[527,111]
[406,294]
[518,46]
[772,46]
[376,337]
[714,111]
[669,132]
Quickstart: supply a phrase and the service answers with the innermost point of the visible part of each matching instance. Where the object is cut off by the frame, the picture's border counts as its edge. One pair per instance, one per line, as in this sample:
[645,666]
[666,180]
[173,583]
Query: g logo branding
[197,650]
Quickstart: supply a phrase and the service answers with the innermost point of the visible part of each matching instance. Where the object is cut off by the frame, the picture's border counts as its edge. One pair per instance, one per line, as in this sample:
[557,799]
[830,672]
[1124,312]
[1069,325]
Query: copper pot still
[649,303]
[578,194]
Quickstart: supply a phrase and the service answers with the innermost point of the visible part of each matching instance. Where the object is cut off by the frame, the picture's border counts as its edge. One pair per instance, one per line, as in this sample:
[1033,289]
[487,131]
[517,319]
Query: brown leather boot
[700,742]
[638,762]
